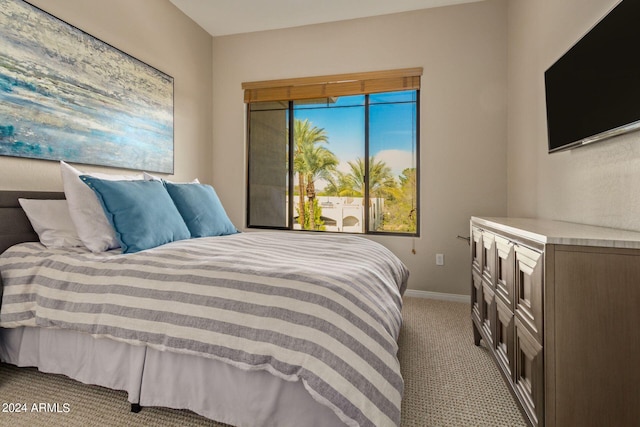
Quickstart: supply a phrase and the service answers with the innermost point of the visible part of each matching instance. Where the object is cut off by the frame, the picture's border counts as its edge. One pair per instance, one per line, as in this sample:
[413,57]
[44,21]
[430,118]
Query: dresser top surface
[562,233]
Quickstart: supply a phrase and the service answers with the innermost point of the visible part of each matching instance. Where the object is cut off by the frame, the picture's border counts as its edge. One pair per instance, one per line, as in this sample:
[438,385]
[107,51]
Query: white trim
[437,295]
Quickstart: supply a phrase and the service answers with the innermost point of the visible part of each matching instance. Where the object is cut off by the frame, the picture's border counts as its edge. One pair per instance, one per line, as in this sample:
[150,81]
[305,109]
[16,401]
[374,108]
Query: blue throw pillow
[201,209]
[141,212]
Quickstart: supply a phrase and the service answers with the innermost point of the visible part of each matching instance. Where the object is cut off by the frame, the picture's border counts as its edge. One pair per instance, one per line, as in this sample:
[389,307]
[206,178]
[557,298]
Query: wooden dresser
[558,306]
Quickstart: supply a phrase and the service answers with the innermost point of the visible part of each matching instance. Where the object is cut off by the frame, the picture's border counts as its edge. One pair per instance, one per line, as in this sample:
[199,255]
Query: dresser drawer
[488,258]
[476,249]
[529,288]
[505,263]
[476,298]
[504,338]
[488,313]
[529,373]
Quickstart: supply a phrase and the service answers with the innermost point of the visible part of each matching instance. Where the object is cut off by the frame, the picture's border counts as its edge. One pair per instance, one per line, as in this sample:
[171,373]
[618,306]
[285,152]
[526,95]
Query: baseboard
[437,295]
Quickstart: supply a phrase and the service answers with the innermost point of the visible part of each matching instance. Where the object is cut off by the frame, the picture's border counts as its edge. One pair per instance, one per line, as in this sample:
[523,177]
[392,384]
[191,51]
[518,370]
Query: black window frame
[291,173]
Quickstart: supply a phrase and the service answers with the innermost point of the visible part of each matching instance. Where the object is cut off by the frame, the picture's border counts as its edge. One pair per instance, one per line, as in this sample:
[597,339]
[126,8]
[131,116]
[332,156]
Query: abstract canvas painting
[65,95]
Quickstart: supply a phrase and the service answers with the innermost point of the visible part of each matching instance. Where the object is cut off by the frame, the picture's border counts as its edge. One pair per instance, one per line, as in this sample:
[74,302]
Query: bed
[337,296]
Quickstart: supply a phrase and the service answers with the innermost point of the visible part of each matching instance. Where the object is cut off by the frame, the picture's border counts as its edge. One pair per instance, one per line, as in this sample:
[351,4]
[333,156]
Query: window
[336,153]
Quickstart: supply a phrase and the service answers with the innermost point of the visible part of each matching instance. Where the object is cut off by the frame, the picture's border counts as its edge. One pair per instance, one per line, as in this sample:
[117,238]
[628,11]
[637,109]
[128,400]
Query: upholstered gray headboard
[14,224]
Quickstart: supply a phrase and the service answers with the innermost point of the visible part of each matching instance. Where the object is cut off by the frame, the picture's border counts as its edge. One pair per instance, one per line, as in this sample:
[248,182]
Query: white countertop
[562,233]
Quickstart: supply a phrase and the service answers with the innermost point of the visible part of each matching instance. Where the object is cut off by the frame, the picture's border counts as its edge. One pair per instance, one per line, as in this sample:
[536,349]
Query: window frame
[252,93]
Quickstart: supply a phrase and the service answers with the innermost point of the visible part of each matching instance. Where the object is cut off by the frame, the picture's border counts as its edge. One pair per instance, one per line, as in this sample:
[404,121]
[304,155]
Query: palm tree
[311,161]
[339,184]
[319,163]
[380,177]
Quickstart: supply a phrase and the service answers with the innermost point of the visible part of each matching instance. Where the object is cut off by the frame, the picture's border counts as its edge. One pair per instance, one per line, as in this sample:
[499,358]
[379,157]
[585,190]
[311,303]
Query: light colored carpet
[448,382]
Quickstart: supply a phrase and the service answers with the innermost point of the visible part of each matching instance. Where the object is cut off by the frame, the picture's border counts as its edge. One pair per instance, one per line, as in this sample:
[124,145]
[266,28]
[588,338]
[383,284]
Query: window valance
[333,85]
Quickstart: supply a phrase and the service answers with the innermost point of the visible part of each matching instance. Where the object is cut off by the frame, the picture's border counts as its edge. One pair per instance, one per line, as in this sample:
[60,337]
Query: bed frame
[14,224]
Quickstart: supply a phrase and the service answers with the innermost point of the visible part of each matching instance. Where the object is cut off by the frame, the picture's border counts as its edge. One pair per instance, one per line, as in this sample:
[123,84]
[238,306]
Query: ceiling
[224,17]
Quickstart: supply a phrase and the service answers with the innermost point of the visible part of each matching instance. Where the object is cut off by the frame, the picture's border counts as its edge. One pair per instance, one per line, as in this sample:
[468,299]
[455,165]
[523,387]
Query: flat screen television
[593,90]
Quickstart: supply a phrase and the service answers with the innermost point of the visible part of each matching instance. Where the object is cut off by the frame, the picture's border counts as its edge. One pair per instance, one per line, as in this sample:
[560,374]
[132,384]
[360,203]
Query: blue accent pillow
[201,209]
[141,212]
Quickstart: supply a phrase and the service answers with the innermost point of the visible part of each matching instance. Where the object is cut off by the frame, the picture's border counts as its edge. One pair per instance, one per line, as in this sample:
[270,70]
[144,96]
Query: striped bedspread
[324,309]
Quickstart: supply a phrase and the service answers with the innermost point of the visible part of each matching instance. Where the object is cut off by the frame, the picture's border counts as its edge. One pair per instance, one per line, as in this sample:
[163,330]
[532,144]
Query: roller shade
[333,85]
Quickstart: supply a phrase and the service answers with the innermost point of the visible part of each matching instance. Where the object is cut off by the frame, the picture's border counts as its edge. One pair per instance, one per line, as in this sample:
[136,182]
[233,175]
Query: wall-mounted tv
[593,90]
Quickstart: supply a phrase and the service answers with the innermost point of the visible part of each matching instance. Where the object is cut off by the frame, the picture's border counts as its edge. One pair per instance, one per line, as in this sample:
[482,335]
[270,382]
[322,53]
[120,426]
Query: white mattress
[155,378]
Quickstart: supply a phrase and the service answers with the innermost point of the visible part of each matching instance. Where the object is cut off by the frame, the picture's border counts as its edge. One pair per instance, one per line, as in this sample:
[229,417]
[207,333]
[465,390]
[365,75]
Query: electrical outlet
[439,259]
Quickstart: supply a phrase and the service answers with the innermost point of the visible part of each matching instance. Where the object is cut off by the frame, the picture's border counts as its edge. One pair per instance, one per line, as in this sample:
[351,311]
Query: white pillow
[87,214]
[51,220]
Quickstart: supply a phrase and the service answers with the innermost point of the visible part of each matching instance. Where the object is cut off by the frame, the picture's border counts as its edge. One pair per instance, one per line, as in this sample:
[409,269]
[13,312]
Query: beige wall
[597,184]
[463,114]
[157,33]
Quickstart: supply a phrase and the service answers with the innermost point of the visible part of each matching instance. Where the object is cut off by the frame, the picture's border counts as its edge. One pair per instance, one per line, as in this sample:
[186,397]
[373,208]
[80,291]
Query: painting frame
[67,95]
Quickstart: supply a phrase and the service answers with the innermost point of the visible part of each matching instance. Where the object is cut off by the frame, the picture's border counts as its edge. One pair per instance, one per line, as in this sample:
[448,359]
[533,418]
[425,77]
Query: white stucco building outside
[346,214]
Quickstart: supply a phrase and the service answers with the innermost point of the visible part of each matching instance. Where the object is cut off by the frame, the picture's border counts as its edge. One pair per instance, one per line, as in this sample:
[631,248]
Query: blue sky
[392,136]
